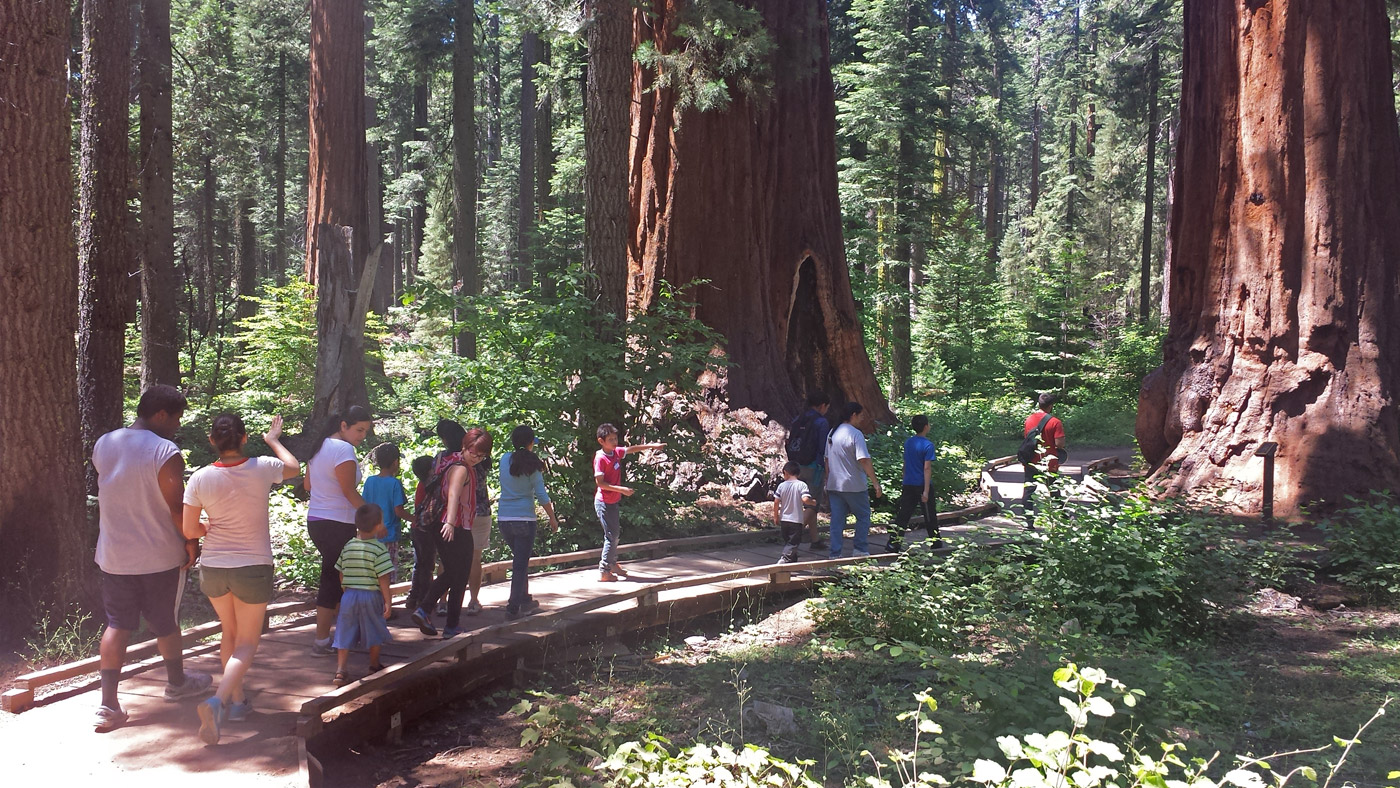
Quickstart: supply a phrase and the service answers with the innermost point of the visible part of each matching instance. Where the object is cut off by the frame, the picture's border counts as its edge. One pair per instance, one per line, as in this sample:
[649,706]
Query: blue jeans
[846,503]
[520,536]
[610,516]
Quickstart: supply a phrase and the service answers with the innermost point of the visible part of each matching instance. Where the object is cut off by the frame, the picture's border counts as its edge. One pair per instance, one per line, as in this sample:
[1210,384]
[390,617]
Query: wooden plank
[16,700]
[1100,464]
[1000,462]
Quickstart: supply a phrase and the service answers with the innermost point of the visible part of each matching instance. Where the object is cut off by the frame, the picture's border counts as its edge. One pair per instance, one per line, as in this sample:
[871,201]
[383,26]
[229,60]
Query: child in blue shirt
[917,489]
[385,490]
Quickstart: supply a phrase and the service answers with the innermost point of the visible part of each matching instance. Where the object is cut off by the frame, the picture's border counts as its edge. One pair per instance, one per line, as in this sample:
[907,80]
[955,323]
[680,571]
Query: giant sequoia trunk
[103,257]
[605,134]
[338,237]
[42,554]
[160,286]
[1285,232]
[747,199]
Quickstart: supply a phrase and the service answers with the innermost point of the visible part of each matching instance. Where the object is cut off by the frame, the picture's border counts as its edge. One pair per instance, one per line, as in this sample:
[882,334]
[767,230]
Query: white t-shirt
[235,499]
[789,496]
[328,502]
[845,446]
[136,535]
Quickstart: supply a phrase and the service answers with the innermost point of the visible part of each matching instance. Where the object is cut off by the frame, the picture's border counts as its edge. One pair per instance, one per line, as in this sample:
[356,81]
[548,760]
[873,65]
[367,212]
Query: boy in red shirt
[1052,450]
[607,474]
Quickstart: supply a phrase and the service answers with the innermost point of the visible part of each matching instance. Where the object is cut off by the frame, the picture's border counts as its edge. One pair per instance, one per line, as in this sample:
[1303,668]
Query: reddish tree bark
[42,519]
[1285,229]
[103,256]
[338,238]
[747,199]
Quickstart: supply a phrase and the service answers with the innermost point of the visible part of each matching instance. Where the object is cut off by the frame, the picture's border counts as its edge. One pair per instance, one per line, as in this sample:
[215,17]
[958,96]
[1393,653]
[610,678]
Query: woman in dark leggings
[454,541]
[333,479]
[425,534]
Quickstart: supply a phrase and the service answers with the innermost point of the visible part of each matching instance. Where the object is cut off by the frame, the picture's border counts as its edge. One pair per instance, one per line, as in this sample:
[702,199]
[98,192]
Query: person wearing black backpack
[1043,439]
[805,445]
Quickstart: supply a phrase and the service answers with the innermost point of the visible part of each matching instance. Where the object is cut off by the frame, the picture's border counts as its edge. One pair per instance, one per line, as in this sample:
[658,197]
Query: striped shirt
[362,562]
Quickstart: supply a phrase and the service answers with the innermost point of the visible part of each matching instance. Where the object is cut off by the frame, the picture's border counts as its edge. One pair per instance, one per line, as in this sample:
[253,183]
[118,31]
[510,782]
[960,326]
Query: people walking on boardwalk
[428,505]
[791,501]
[607,475]
[384,490]
[916,491]
[235,565]
[364,566]
[848,465]
[522,486]
[141,548]
[1044,441]
[806,445]
[333,479]
[453,540]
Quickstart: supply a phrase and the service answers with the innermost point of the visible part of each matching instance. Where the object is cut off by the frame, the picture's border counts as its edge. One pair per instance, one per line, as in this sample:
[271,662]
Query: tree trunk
[42,515]
[1286,229]
[1148,203]
[747,199]
[279,169]
[247,260]
[336,200]
[102,218]
[605,132]
[419,214]
[464,259]
[160,287]
[544,175]
[521,272]
[493,88]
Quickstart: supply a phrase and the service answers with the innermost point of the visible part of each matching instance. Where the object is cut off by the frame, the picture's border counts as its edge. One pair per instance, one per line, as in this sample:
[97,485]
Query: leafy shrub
[298,562]
[1363,542]
[1128,566]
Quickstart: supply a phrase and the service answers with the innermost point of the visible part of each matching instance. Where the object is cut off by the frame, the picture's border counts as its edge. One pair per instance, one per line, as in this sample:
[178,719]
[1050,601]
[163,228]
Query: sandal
[341,678]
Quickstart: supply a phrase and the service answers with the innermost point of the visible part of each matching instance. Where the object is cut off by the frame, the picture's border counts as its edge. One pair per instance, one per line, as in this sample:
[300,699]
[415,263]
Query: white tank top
[136,536]
[328,501]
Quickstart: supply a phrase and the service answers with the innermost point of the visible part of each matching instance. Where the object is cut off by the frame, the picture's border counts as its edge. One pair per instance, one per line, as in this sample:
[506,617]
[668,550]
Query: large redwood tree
[1285,242]
[43,556]
[746,198]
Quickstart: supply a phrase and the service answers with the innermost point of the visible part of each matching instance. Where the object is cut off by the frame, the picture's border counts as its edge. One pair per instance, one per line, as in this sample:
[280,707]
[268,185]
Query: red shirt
[1053,436]
[610,465]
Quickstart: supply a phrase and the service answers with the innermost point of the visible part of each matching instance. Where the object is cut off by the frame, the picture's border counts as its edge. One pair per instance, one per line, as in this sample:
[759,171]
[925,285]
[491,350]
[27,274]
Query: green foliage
[59,640]
[651,763]
[1363,544]
[297,560]
[279,343]
[1128,566]
[557,731]
[725,45]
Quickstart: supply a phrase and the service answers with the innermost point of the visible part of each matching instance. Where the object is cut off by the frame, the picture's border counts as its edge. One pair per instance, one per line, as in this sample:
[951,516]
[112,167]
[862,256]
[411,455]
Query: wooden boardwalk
[299,715]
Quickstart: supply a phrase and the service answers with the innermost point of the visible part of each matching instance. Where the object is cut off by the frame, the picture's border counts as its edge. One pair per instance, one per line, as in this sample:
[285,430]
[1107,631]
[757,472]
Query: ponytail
[227,432]
[523,462]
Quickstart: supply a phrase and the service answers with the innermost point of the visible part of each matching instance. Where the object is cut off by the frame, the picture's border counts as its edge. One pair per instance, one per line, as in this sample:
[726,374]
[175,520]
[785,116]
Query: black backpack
[1026,453]
[801,443]
[430,518]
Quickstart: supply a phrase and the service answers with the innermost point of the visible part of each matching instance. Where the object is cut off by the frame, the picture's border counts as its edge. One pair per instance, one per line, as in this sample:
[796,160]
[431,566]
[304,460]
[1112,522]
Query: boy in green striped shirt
[365,567]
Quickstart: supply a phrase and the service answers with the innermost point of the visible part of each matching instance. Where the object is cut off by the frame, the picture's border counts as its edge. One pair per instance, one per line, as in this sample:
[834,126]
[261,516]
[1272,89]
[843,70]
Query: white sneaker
[859,554]
[196,683]
[109,719]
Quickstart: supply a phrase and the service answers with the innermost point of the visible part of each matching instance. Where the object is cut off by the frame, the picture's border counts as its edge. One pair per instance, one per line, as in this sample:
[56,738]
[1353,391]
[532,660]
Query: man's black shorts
[126,598]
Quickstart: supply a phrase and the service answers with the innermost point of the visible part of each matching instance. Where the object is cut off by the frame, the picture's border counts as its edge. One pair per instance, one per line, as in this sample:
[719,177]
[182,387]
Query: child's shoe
[341,678]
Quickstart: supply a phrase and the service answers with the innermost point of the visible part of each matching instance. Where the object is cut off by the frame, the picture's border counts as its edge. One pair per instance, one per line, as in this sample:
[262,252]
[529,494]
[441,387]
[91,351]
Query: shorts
[481,532]
[127,598]
[815,477]
[360,622]
[251,585]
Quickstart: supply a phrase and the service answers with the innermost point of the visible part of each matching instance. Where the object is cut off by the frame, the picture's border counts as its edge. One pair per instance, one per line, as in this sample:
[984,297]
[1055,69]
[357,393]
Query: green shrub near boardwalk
[1130,566]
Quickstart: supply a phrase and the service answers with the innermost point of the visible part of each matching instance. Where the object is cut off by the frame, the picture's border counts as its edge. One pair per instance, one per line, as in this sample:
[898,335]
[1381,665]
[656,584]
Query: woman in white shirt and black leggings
[236,563]
[333,479]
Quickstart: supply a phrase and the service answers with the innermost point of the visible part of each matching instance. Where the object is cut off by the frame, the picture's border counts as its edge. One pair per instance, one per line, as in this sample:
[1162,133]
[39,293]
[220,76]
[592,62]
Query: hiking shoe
[425,625]
[322,648]
[526,610]
[473,608]
[619,571]
[895,545]
[109,719]
[211,713]
[196,683]
[238,712]
[859,554]
[451,632]
[605,577]
[786,559]
[817,546]
[442,609]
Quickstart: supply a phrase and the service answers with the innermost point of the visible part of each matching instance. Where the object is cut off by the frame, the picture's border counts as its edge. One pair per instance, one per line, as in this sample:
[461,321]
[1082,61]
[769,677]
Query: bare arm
[644,447]
[193,528]
[456,476]
[171,478]
[345,477]
[290,465]
[403,514]
[869,468]
[384,592]
[553,520]
[928,478]
[777,512]
[617,488]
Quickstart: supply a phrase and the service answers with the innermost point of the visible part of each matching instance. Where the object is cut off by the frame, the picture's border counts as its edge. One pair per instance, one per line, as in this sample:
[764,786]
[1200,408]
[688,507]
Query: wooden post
[1267,450]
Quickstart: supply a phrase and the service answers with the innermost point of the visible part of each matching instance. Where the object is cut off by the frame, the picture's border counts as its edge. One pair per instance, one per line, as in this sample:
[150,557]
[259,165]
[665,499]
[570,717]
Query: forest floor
[1286,674]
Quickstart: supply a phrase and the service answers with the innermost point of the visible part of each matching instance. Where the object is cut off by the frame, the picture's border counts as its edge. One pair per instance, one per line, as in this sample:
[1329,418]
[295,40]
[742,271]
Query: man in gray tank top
[141,549]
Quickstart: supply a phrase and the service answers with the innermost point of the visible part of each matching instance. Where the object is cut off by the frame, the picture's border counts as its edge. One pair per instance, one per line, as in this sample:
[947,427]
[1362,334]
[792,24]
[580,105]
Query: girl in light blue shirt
[522,486]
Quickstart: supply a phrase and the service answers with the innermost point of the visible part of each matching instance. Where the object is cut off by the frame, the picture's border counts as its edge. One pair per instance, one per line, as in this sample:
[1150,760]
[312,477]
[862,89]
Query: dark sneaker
[425,625]
[451,632]
[323,648]
[109,719]
[196,684]
[786,559]
[238,712]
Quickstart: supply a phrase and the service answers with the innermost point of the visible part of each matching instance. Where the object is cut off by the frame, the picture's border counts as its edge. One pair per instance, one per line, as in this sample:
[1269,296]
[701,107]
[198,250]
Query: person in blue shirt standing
[917,489]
